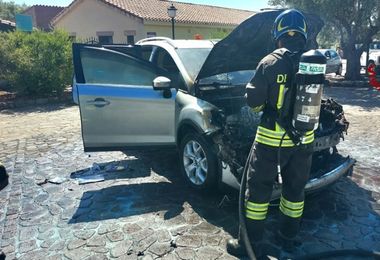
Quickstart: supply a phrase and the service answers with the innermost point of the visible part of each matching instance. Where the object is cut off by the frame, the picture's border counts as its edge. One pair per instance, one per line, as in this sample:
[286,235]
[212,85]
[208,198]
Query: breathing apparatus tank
[309,86]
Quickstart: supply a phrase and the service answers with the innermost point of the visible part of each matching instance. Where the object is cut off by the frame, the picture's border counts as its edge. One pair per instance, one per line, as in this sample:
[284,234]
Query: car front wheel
[198,161]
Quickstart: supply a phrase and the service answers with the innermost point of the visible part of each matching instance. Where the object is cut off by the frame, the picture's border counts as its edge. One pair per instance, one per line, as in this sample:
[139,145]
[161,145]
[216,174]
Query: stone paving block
[46,235]
[84,234]
[37,254]
[213,240]
[27,246]
[189,241]
[160,249]
[106,228]
[78,253]
[204,228]
[115,236]
[208,253]
[326,234]
[8,249]
[47,244]
[140,235]
[27,233]
[144,244]
[76,243]
[55,209]
[185,253]
[97,257]
[58,246]
[170,256]
[54,257]
[163,236]
[121,248]
[177,231]
[97,241]
[130,228]
[100,250]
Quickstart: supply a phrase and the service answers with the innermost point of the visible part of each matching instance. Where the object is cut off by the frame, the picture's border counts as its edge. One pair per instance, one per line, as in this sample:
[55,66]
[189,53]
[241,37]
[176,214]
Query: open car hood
[248,43]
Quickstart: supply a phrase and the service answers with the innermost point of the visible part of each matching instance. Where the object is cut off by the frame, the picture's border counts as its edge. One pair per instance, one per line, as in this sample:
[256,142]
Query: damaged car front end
[196,103]
[237,124]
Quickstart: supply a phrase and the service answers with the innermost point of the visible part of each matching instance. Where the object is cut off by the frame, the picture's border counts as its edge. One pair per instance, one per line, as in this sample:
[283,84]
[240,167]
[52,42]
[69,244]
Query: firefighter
[265,92]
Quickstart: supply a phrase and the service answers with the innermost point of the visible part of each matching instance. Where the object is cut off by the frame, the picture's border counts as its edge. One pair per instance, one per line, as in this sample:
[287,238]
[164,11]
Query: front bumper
[326,179]
[313,184]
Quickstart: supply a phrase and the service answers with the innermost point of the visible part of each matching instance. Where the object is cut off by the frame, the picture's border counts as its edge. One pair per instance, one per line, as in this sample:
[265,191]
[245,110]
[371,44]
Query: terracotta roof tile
[43,14]
[156,10]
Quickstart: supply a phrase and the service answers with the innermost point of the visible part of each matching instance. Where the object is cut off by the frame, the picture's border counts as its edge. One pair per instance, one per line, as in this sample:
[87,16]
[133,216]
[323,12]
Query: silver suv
[189,95]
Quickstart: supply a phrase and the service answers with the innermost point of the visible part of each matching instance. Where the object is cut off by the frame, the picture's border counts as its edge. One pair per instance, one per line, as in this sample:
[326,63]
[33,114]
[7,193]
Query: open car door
[118,106]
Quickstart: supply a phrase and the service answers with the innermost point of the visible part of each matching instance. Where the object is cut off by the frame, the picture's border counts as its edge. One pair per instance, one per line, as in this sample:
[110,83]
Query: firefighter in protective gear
[265,92]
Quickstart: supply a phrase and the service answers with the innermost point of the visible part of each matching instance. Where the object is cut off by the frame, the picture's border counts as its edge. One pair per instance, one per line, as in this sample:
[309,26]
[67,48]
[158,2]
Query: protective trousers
[295,168]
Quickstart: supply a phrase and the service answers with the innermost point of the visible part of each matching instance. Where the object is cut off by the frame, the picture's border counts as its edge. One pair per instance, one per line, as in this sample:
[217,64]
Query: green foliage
[8,10]
[327,38]
[219,34]
[349,22]
[37,63]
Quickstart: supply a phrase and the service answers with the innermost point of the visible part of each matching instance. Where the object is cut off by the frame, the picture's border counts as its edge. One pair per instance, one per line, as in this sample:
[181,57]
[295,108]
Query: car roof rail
[166,39]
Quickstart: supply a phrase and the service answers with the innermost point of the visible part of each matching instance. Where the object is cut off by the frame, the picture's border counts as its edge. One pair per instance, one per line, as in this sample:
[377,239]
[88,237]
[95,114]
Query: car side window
[109,67]
[333,54]
[164,61]
[146,52]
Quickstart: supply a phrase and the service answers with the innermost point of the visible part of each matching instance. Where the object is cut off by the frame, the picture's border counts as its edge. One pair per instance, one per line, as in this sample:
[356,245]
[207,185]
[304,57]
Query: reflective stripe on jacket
[267,89]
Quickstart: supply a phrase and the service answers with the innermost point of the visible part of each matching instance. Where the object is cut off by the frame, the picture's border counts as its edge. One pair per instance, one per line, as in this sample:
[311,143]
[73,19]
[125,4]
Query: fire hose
[245,236]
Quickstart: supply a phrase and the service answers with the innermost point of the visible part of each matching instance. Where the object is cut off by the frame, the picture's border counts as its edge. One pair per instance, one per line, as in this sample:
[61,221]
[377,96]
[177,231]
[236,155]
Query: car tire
[339,71]
[198,162]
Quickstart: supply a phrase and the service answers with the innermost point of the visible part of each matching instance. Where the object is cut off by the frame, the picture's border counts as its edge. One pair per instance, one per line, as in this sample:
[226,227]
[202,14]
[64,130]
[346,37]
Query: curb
[349,84]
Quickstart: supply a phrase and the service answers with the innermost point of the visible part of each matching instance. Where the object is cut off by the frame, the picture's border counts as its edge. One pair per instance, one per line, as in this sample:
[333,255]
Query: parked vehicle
[183,94]
[334,61]
[374,56]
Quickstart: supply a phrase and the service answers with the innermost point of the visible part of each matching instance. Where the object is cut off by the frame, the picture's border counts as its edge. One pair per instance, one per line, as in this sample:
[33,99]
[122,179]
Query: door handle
[99,102]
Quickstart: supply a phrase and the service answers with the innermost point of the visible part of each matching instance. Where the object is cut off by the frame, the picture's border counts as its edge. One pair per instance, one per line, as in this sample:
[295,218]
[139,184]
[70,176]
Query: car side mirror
[161,83]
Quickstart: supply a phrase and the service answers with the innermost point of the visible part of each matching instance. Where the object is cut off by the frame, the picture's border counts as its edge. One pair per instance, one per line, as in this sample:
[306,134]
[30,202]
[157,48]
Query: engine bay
[238,125]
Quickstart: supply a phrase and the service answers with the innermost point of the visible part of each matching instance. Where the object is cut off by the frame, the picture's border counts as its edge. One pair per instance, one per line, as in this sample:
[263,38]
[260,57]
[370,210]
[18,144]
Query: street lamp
[172,12]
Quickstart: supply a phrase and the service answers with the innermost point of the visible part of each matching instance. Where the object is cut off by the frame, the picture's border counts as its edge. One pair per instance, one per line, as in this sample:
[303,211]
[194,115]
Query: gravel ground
[147,212]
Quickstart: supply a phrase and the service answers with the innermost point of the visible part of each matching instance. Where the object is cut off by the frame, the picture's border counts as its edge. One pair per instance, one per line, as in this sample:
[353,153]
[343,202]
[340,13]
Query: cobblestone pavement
[146,211]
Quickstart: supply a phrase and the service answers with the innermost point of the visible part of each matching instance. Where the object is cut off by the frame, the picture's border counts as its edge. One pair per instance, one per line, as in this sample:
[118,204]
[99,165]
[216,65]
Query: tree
[9,10]
[356,22]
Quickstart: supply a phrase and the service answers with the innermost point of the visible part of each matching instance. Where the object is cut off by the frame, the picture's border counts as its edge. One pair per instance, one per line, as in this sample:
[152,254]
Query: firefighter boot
[236,247]
[289,245]
[3,177]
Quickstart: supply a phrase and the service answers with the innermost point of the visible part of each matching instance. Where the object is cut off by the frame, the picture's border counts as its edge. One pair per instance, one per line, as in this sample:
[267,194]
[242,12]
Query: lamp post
[172,12]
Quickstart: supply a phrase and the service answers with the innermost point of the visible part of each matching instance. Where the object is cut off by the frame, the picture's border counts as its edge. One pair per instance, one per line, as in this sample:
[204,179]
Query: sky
[254,5]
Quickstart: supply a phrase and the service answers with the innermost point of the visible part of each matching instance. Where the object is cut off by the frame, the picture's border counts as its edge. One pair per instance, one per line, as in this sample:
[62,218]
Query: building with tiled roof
[123,21]
[42,15]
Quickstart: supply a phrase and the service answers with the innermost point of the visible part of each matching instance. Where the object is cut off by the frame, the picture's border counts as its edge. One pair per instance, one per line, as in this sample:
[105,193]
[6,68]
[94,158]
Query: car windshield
[230,78]
[193,59]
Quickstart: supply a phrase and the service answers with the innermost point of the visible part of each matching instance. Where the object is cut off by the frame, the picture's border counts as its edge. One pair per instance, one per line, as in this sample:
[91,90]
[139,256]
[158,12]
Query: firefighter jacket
[265,92]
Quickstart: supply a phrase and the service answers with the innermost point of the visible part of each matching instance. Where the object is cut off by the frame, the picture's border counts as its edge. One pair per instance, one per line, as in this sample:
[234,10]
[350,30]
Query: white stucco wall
[89,17]
[186,31]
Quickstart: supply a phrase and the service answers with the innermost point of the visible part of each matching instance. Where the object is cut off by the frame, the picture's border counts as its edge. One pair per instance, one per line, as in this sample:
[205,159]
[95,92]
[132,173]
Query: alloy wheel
[195,162]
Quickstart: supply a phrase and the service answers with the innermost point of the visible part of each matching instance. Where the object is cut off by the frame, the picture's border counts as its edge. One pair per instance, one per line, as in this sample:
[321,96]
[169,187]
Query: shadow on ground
[342,216]
[45,108]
